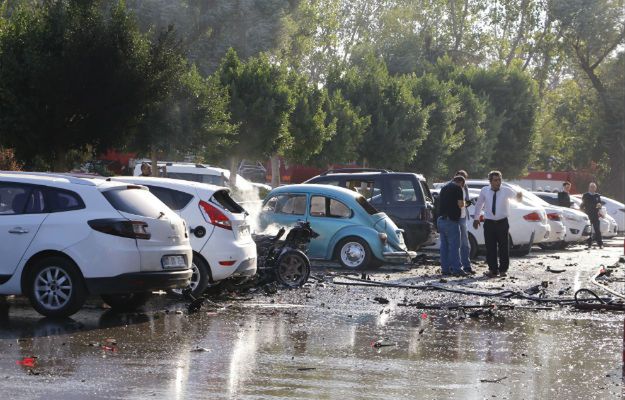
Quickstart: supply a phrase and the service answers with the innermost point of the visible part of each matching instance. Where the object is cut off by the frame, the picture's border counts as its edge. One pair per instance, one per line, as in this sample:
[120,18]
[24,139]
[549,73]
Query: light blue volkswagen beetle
[350,229]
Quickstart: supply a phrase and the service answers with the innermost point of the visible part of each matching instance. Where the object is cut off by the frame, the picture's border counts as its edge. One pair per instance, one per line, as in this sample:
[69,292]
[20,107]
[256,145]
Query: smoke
[252,203]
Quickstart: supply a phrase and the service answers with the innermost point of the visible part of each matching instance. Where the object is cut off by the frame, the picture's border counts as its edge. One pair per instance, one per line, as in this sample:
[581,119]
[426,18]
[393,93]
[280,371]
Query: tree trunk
[233,172]
[275,171]
[154,160]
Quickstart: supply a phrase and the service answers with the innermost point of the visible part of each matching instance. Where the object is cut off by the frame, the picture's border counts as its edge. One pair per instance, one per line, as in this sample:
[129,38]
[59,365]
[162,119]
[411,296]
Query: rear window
[135,201]
[174,199]
[365,204]
[222,198]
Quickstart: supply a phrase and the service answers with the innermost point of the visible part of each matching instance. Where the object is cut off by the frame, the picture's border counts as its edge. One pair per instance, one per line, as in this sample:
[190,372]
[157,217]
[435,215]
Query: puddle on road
[312,354]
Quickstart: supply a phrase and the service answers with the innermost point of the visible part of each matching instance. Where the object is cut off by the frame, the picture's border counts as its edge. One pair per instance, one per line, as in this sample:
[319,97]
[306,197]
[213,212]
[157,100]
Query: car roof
[66,180]
[316,188]
[170,183]
[548,194]
[330,175]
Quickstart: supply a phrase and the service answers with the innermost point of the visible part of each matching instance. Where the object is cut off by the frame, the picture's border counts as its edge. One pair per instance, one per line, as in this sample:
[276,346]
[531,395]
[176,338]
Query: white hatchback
[63,238]
[220,231]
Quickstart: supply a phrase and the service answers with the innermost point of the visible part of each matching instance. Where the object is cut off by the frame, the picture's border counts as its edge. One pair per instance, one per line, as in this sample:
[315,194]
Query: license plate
[169,262]
[244,230]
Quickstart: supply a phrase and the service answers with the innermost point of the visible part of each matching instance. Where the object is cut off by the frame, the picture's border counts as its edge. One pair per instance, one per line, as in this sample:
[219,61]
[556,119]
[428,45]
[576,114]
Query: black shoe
[490,274]
[469,272]
[503,274]
[461,273]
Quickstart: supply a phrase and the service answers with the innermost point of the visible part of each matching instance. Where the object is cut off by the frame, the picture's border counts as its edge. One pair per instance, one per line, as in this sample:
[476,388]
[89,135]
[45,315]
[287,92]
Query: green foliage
[398,121]
[307,122]
[260,104]
[512,104]
[75,80]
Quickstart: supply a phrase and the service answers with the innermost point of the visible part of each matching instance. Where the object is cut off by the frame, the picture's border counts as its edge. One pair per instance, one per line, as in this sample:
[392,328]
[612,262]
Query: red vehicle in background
[295,173]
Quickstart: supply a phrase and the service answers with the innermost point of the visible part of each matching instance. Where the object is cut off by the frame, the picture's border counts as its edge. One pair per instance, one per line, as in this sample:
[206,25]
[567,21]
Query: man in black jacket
[451,201]
[591,203]
[564,197]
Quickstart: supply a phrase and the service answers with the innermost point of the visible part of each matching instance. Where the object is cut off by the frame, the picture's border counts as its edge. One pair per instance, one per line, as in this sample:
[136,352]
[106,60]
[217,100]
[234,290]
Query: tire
[475,250]
[293,269]
[127,301]
[199,280]
[353,253]
[55,287]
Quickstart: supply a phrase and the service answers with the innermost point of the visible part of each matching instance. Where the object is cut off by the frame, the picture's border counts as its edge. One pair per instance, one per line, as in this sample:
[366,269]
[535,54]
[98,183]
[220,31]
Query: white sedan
[613,209]
[528,225]
[577,223]
[608,224]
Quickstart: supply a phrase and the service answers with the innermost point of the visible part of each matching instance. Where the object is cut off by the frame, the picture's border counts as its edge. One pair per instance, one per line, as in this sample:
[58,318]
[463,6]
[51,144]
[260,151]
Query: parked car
[253,171]
[616,210]
[528,225]
[350,229]
[220,231]
[607,224]
[204,173]
[577,223]
[63,238]
[404,197]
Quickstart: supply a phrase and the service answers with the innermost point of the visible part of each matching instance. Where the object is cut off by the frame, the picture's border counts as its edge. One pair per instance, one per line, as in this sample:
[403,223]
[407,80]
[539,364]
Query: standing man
[494,199]
[465,246]
[591,202]
[564,197]
[451,200]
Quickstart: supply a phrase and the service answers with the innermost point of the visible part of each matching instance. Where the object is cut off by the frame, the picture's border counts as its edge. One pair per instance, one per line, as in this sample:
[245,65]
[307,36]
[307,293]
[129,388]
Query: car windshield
[366,205]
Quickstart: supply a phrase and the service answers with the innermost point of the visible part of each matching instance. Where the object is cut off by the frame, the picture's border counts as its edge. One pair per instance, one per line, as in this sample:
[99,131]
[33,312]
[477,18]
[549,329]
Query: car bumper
[243,253]
[137,282]
[399,256]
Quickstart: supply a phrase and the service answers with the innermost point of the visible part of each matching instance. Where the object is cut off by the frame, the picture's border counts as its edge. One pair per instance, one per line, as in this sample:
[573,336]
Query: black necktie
[494,203]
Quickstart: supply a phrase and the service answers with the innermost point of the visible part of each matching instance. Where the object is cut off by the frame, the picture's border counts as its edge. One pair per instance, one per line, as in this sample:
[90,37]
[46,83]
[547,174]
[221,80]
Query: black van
[405,197]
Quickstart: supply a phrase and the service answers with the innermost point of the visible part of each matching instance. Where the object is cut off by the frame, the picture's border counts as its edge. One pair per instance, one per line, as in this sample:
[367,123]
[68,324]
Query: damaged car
[350,230]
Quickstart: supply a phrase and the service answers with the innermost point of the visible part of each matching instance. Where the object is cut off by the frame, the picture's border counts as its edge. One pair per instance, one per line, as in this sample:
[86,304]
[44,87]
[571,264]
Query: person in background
[564,197]
[146,169]
[465,246]
[495,199]
[591,204]
[451,200]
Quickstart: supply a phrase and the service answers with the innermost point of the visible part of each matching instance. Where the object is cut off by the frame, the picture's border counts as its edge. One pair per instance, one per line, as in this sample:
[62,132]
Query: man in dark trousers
[564,197]
[591,203]
[465,246]
[451,201]
[494,199]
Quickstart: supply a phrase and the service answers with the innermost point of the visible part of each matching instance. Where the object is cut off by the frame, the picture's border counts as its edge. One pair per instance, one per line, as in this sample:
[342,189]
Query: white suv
[220,231]
[63,238]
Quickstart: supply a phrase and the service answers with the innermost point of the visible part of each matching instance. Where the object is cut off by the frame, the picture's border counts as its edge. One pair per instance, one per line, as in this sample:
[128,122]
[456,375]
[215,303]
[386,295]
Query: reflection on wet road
[263,352]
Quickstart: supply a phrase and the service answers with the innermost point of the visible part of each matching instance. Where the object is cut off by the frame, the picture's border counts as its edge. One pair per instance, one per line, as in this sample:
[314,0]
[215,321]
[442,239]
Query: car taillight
[554,217]
[214,216]
[533,217]
[121,227]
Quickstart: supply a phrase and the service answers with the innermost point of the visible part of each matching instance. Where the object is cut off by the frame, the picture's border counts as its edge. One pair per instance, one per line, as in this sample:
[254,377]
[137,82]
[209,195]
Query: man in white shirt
[494,199]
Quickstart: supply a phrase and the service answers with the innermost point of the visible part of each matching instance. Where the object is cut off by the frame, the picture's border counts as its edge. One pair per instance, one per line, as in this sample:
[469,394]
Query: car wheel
[354,253]
[55,287]
[474,251]
[293,269]
[126,301]
[199,278]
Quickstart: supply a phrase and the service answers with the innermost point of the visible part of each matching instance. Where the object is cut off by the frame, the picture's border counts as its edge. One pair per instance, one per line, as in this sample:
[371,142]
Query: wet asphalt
[329,340]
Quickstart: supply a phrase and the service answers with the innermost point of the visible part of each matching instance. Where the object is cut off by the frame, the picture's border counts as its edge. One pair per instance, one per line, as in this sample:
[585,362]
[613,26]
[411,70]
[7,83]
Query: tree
[74,80]
[350,126]
[308,125]
[443,138]
[512,102]
[260,105]
[593,32]
[398,121]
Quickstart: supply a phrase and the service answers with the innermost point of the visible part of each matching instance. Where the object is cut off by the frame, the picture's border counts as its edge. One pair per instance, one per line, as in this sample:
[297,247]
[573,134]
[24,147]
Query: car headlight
[383,237]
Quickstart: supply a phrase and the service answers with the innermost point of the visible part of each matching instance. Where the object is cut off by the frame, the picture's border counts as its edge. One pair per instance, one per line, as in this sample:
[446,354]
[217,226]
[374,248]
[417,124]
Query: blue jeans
[465,247]
[450,245]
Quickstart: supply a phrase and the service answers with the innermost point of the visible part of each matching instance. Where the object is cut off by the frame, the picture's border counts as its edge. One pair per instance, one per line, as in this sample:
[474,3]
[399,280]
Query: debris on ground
[306,368]
[498,380]
[381,300]
[383,343]
[28,362]
[555,271]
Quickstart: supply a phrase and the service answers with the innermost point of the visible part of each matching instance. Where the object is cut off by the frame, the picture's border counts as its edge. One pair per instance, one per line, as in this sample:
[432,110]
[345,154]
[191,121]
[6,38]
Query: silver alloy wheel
[353,254]
[195,280]
[53,288]
[292,269]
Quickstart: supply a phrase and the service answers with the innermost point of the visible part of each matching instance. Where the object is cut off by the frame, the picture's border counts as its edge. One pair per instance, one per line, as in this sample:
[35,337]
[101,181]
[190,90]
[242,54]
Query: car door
[327,216]
[284,210]
[404,204]
[22,210]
